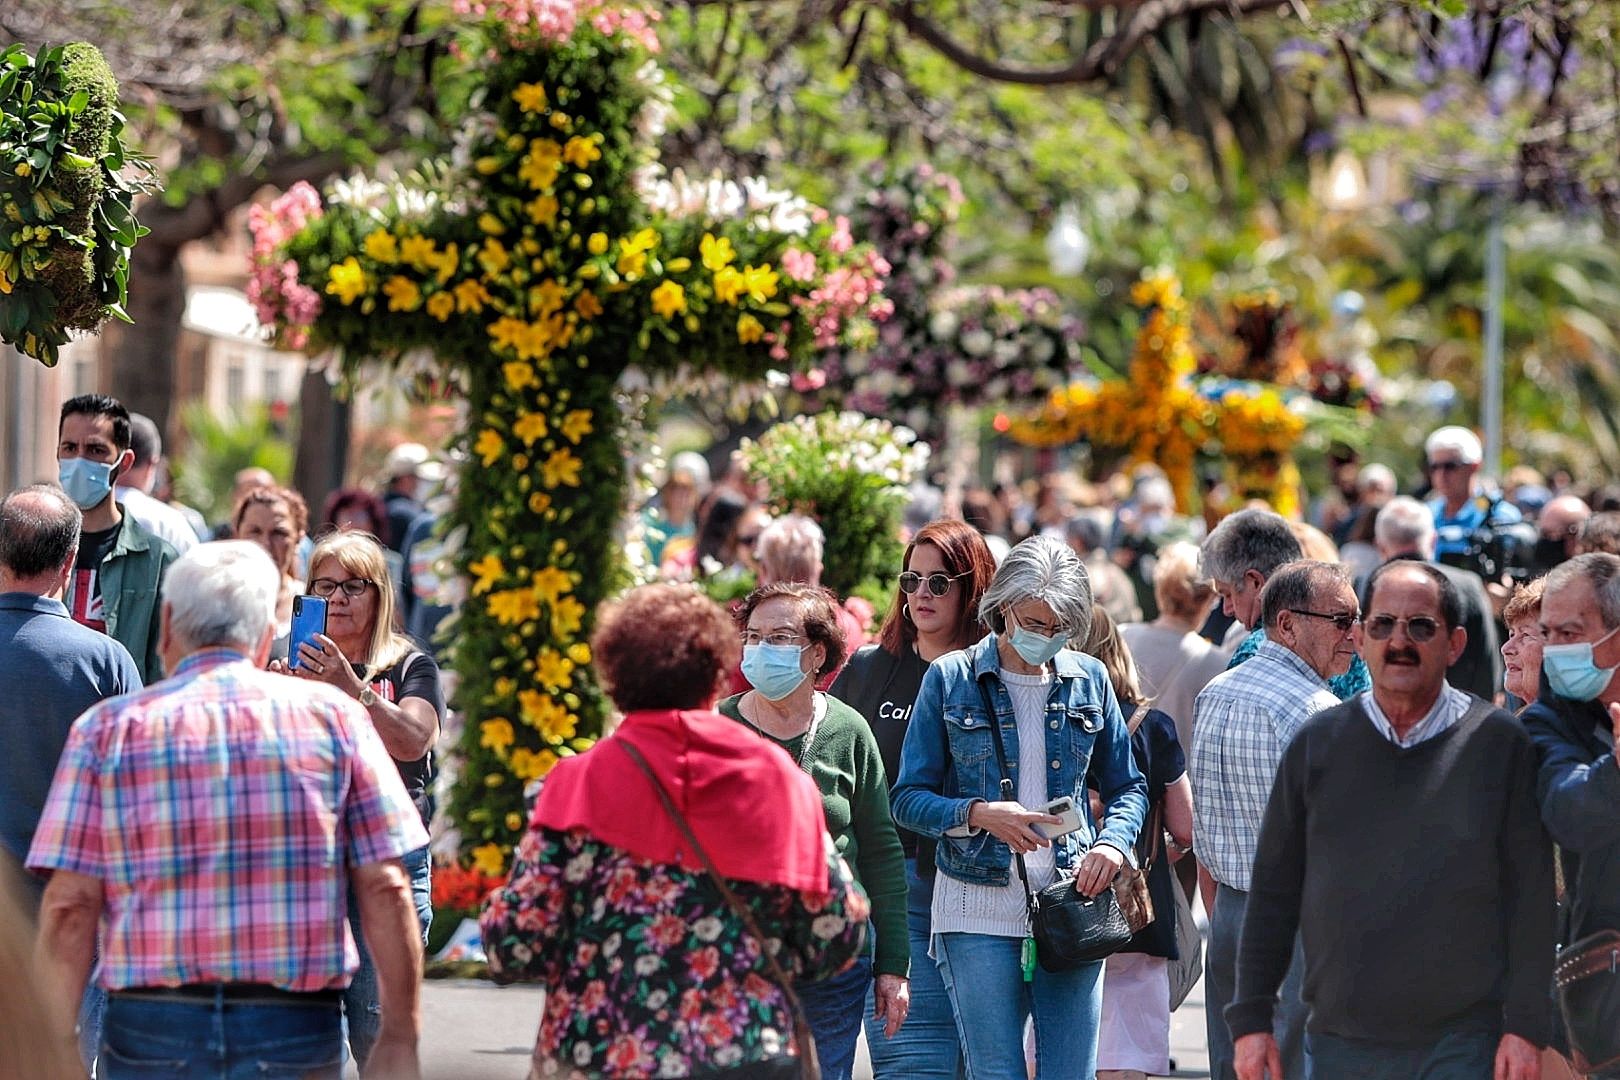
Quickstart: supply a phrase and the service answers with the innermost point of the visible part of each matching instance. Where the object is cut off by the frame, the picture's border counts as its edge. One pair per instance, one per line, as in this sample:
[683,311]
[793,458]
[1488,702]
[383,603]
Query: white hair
[790,549]
[222,593]
[1375,477]
[1404,524]
[1459,440]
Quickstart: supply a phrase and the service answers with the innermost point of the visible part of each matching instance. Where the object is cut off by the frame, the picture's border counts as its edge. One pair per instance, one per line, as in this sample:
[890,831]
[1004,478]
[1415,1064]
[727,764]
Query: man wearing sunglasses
[1460,503]
[1403,844]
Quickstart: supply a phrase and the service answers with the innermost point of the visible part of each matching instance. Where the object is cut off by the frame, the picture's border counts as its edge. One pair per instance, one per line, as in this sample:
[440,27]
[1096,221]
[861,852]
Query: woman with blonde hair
[1172,658]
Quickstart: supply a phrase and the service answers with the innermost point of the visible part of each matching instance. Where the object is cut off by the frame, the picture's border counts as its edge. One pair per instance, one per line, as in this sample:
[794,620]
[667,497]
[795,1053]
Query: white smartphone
[1064,808]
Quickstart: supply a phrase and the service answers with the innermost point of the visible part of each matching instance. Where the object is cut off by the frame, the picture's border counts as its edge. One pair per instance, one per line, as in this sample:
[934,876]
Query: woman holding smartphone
[1060,723]
[946,568]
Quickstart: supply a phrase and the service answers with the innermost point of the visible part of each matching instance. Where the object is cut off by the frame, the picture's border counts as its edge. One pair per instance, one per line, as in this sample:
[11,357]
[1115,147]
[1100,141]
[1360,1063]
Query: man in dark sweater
[1402,841]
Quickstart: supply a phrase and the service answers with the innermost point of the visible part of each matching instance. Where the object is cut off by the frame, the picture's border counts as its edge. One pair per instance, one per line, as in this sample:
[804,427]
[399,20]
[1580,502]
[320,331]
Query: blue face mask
[86,482]
[1035,649]
[1572,672]
[773,670]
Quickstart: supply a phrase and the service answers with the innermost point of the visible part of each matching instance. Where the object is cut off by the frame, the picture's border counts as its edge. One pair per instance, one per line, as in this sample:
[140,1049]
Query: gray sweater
[1419,878]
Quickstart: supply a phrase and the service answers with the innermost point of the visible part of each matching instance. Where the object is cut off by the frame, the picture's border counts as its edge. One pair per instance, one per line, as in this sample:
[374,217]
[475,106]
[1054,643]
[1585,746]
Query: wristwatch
[368,696]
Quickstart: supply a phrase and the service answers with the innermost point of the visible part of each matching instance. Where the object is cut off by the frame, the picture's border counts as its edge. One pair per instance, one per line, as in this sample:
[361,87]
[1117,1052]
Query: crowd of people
[1376,751]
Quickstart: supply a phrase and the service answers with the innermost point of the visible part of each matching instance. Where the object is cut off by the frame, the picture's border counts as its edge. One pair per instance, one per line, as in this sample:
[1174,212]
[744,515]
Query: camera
[1499,551]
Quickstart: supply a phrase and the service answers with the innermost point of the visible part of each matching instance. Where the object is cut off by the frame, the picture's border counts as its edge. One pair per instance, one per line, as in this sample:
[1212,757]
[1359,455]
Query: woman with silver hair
[1060,726]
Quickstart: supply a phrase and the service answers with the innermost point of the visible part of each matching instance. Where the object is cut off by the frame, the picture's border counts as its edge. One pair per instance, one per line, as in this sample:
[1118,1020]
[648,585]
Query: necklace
[819,711]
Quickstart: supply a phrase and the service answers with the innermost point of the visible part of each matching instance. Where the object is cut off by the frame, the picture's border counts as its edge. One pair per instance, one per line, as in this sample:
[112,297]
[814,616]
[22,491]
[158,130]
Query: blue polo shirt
[1453,534]
[51,671]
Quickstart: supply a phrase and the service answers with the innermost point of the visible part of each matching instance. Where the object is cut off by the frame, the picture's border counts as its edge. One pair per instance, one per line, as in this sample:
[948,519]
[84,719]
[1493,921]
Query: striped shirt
[222,810]
[1448,708]
[1242,722]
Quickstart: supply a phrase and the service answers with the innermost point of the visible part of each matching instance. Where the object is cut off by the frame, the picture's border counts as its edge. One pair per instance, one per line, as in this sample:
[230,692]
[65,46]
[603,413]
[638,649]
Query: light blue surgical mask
[773,670]
[1572,672]
[1035,649]
[86,482]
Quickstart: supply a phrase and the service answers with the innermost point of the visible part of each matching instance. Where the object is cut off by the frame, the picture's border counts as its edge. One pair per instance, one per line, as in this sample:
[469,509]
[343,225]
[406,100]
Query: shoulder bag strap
[809,1066]
[1008,792]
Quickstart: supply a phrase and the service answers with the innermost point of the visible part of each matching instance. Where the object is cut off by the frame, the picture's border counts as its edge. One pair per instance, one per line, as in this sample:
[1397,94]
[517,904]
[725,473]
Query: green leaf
[78,101]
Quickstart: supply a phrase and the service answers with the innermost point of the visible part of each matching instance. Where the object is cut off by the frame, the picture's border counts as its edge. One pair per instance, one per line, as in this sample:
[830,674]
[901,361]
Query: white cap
[1459,440]
[411,459]
[690,466]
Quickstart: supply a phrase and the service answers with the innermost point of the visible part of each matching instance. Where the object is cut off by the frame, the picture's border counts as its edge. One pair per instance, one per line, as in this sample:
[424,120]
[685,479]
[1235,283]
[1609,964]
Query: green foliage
[69,222]
[218,447]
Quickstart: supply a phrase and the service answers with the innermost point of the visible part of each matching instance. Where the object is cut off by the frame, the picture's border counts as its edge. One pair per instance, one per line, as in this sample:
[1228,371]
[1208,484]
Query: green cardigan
[848,770]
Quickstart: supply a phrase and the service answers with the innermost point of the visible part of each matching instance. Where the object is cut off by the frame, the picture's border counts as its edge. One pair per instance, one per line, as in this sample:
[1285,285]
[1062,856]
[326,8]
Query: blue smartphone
[308,619]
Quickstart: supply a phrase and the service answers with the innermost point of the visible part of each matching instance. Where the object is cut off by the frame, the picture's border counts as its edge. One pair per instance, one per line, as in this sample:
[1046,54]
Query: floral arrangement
[547,261]
[848,472]
[69,218]
[966,345]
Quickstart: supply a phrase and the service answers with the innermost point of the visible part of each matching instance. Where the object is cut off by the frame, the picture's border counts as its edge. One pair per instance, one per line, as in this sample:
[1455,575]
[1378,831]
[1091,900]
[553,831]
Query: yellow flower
[550,583]
[581,151]
[760,281]
[749,329]
[402,293]
[347,281]
[490,446]
[547,716]
[530,97]
[553,669]
[566,616]
[587,305]
[491,224]
[505,687]
[441,306]
[489,860]
[493,257]
[562,467]
[488,571]
[542,210]
[546,297]
[561,121]
[579,652]
[513,606]
[539,502]
[471,296]
[495,735]
[540,165]
[597,244]
[531,765]
[576,425]
[448,262]
[488,166]
[519,375]
[717,254]
[669,299]
[381,246]
[514,821]
[531,426]
[420,252]
[729,285]
[645,240]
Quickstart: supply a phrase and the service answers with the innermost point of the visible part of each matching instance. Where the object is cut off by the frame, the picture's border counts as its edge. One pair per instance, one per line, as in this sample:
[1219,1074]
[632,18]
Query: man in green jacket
[120,566]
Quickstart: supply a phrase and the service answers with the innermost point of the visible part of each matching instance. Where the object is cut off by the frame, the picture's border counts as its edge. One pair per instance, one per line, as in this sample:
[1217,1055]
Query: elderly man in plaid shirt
[1242,721]
[211,827]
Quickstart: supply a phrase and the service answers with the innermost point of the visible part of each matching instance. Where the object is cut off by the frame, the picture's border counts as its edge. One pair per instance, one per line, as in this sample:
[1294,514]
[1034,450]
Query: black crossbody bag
[1070,928]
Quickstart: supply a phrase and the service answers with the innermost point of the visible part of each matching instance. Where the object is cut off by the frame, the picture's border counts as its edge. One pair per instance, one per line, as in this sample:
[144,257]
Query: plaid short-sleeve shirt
[222,810]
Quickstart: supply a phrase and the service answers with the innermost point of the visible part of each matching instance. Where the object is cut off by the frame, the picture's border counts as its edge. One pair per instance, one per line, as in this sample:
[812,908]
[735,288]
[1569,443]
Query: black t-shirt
[84,591]
[1159,758]
[417,676]
[882,688]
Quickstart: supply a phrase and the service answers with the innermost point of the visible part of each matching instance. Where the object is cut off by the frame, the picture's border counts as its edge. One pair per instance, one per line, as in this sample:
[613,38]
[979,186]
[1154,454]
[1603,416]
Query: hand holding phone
[309,619]
[1065,809]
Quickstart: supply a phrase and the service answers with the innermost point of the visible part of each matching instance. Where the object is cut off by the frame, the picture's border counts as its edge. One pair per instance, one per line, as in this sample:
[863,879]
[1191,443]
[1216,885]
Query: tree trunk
[323,443]
[141,358]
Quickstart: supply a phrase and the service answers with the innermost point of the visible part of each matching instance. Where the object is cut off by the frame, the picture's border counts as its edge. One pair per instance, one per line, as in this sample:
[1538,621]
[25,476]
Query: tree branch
[1100,61]
[205,214]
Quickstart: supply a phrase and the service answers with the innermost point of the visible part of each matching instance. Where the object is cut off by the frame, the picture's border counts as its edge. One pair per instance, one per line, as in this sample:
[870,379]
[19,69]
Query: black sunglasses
[1419,628]
[939,583]
[1342,621]
[1446,466]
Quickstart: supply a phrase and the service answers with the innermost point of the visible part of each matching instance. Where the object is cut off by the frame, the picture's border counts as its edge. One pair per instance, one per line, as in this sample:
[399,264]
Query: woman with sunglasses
[362,655]
[1060,726]
[946,568]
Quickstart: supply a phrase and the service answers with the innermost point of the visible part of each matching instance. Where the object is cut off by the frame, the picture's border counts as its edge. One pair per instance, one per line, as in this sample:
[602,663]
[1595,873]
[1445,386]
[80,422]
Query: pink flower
[798,264]
[805,381]
[840,241]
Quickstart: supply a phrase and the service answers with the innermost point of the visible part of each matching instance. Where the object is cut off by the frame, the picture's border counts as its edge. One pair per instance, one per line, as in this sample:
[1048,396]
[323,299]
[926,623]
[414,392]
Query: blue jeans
[833,1008]
[1220,984]
[362,1002]
[1463,1054]
[926,1046]
[984,977]
[219,1040]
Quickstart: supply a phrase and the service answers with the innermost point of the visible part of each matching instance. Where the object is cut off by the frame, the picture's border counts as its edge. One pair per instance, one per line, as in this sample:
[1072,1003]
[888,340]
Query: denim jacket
[949,761]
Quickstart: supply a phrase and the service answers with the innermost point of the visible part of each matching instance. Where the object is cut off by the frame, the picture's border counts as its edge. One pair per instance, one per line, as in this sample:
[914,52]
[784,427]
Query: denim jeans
[1220,984]
[219,1040]
[362,1002]
[1462,1054]
[926,1046]
[833,1007]
[984,977]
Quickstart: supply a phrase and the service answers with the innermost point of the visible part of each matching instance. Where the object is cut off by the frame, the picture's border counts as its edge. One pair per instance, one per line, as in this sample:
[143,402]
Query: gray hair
[1375,477]
[789,549]
[1599,568]
[1248,540]
[1404,524]
[222,593]
[1458,440]
[1298,585]
[36,538]
[1040,568]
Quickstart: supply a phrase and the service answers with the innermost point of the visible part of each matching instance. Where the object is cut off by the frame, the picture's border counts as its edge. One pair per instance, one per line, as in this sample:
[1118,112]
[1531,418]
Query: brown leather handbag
[1131,884]
[1587,979]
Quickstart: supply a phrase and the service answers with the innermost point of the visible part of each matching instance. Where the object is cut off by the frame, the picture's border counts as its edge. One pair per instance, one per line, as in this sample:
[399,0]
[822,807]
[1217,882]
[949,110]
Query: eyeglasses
[748,541]
[1446,466]
[355,586]
[939,583]
[1342,620]
[776,637]
[1419,628]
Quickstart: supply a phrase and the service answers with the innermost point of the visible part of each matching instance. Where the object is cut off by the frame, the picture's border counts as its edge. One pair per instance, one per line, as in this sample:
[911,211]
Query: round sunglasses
[939,583]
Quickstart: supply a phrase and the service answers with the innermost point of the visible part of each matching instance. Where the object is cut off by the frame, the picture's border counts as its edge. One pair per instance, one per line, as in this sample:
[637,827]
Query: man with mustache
[1402,841]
